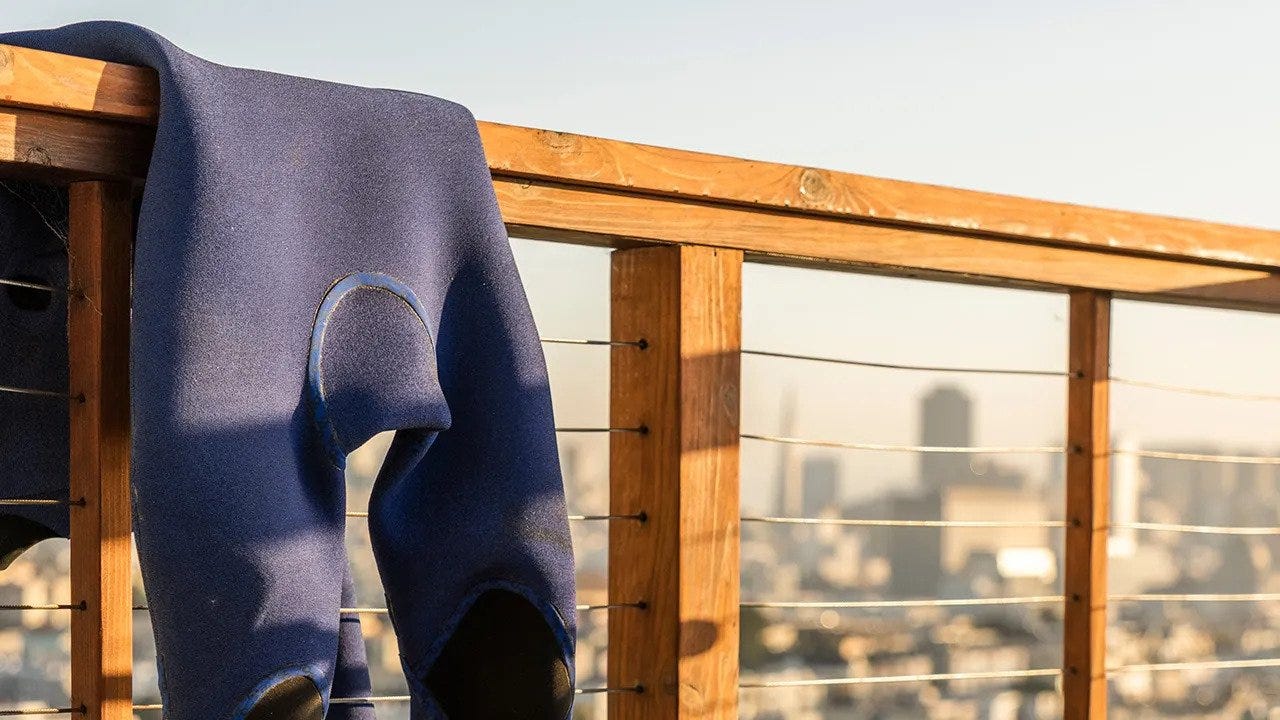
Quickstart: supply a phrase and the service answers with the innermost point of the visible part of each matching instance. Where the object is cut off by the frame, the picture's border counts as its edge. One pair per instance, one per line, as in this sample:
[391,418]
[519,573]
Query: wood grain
[70,85]
[100,250]
[590,216]
[76,85]
[1088,499]
[525,153]
[683,474]
[60,148]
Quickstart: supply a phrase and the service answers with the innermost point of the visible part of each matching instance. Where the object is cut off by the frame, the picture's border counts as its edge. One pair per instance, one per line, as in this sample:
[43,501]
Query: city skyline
[786,563]
[1148,106]
[795,563]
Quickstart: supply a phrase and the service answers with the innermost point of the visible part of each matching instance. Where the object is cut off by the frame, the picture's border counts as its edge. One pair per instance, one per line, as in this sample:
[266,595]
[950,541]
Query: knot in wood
[562,143]
[37,155]
[814,186]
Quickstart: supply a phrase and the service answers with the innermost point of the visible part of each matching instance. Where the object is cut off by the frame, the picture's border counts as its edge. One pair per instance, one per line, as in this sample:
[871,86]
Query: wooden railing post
[1088,507]
[681,649]
[99,260]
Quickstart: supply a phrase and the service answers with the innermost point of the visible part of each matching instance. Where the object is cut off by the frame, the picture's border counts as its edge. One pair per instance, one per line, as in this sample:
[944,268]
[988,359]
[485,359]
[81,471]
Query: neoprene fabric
[315,263]
[33,355]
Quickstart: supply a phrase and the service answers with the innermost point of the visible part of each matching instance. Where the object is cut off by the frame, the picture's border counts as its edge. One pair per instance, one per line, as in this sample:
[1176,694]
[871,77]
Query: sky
[1164,107]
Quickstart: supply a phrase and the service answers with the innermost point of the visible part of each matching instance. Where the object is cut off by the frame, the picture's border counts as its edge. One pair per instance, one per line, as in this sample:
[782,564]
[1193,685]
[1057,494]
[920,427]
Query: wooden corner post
[681,649]
[99,261]
[1088,507]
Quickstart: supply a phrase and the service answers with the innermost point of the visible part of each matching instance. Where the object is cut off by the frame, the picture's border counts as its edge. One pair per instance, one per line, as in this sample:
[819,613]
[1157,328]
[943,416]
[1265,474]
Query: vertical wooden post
[682,473]
[99,261]
[1088,507]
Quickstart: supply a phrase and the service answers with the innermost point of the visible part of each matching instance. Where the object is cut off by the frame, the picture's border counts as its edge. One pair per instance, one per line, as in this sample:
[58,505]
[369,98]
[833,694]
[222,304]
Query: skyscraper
[944,422]
[820,484]
[1126,484]
[789,497]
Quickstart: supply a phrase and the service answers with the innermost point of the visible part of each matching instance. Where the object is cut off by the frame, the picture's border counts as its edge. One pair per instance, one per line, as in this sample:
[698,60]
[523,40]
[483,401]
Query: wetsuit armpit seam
[329,304]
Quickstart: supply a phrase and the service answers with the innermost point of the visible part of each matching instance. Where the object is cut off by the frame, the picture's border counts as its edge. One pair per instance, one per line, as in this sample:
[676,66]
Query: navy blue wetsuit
[316,263]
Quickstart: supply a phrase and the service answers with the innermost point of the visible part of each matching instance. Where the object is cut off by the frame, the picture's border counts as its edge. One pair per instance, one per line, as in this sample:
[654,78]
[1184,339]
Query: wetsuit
[316,263]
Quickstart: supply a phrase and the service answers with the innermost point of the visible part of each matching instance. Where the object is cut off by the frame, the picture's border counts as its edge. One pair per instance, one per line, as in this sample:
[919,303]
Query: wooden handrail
[38,80]
[544,155]
[59,84]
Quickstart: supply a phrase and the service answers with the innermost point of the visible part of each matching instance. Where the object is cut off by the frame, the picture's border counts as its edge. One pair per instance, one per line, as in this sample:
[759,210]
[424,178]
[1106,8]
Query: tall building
[1126,487]
[790,493]
[946,420]
[820,485]
[915,560]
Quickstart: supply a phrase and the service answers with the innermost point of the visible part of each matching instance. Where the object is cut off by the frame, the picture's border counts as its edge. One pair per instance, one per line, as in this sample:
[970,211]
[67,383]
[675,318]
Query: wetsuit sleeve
[489,617]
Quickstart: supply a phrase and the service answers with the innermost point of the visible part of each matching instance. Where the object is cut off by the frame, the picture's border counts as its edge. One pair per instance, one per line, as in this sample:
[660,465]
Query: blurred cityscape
[836,563]
[830,562]
[822,563]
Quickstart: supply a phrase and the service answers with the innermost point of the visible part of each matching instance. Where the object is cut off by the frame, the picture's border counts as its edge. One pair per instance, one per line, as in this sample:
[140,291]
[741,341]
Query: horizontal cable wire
[872,604]
[1201,457]
[609,691]
[344,611]
[1197,665]
[975,450]
[368,700]
[579,608]
[40,501]
[638,517]
[1207,392]
[816,682]
[857,522]
[642,344]
[372,699]
[1195,597]
[341,611]
[30,285]
[1202,529]
[32,391]
[407,698]
[896,366]
[613,606]
[1190,390]
[15,712]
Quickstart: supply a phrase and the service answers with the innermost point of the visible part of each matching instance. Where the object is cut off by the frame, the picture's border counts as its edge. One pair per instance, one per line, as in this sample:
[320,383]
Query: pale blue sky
[1165,107]
[1168,107]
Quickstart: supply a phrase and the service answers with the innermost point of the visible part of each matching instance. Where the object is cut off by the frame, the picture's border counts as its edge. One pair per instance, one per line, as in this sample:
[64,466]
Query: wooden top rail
[67,118]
